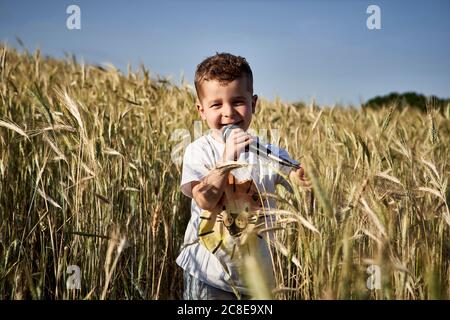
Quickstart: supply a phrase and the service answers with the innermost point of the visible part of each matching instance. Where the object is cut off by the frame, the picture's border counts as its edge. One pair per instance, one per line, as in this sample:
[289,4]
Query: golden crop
[87,179]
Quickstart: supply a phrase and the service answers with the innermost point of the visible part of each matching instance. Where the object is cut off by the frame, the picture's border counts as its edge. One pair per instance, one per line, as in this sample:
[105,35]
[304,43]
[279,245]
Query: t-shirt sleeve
[195,168]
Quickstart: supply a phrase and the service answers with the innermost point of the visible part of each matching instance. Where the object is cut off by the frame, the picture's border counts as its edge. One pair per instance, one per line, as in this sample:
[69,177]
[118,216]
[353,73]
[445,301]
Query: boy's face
[222,105]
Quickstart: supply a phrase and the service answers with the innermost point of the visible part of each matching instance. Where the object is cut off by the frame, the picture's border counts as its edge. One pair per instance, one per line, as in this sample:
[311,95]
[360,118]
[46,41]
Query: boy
[226,195]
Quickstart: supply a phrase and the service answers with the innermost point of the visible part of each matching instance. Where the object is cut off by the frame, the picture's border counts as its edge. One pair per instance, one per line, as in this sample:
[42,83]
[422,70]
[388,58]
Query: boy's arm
[209,190]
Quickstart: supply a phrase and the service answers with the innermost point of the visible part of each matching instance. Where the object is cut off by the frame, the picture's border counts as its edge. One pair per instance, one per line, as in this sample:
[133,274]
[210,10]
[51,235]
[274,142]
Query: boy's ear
[254,100]
[200,109]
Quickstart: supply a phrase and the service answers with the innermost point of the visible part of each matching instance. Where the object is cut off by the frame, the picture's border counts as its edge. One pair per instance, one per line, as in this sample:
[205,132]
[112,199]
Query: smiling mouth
[238,123]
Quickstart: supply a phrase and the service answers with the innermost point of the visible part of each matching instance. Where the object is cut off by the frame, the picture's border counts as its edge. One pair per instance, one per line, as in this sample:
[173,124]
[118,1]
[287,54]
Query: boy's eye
[215,105]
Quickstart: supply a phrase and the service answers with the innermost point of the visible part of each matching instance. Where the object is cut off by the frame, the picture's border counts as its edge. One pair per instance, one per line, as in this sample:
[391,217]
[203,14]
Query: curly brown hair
[224,67]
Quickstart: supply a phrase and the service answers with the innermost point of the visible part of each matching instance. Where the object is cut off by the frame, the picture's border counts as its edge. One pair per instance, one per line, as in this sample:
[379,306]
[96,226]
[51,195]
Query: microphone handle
[260,150]
[267,153]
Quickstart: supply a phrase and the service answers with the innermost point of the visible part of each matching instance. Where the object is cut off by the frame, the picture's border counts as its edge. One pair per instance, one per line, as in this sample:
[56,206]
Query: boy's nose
[227,110]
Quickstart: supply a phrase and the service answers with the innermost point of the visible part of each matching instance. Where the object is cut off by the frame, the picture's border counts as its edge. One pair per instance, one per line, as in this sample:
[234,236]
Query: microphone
[259,149]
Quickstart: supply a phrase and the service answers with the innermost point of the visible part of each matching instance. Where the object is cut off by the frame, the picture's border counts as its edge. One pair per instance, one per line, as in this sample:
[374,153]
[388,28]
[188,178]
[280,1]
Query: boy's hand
[298,177]
[235,144]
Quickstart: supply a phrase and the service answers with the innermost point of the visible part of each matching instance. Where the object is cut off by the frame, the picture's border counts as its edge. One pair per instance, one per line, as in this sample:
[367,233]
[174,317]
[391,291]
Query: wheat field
[88,179]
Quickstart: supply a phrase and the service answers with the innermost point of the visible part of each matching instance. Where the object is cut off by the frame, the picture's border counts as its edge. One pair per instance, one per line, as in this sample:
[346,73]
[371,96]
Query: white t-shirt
[200,157]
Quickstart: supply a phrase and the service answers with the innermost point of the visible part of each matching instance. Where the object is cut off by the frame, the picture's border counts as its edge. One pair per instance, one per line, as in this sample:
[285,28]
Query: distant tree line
[402,100]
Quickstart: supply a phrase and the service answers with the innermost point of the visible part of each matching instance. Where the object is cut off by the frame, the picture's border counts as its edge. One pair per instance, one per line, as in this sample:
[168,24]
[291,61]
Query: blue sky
[297,49]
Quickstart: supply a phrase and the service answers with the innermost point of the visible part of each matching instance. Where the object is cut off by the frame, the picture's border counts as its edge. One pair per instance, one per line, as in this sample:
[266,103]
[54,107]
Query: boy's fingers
[238,135]
[301,179]
[235,143]
[239,139]
[242,139]
[236,131]
[302,174]
[305,184]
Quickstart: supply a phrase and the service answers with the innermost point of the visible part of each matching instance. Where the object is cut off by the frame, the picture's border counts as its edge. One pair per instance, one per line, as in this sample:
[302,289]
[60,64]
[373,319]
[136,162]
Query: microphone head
[227,131]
